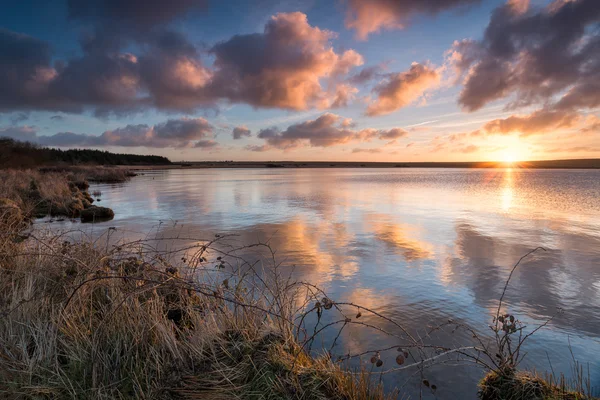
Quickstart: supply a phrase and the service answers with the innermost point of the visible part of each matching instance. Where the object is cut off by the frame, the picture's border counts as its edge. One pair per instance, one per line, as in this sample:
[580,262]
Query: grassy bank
[28,194]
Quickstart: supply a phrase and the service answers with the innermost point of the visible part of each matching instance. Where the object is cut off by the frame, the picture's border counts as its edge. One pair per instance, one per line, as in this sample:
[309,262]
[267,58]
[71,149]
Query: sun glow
[512,151]
[510,157]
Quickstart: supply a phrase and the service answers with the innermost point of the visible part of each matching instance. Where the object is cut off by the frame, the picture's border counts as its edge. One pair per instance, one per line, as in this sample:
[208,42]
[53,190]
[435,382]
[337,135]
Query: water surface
[420,245]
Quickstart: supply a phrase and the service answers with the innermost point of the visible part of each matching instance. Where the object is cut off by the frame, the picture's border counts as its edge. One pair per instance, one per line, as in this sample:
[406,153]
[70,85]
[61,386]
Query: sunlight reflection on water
[421,245]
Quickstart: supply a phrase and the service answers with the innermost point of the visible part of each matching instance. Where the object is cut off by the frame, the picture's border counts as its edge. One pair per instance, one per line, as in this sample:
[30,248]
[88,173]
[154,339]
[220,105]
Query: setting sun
[509,157]
[511,149]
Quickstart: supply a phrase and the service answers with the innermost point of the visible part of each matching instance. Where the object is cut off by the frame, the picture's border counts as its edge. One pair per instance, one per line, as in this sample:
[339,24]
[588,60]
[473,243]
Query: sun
[510,157]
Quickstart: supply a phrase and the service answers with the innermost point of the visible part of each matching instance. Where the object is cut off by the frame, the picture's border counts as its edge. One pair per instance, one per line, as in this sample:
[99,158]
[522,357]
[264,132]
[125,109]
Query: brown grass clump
[35,192]
[524,385]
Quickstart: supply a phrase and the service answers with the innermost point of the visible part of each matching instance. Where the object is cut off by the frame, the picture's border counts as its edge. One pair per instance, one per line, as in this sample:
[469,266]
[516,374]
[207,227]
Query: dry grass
[530,386]
[30,188]
[95,173]
[83,321]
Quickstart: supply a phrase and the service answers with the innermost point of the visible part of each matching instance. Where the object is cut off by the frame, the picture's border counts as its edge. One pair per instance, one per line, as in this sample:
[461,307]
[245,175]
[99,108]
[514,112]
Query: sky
[313,80]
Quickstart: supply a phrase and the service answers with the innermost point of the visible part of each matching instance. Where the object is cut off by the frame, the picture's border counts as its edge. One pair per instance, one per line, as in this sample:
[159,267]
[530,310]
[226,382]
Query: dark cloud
[184,128]
[327,130]
[366,75]
[184,132]
[24,69]
[29,81]
[374,15]
[176,78]
[256,148]
[267,133]
[240,132]
[534,56]
[69,139]
[138,14]
[400,89]
[206,144]
[57,118]
[321,132]
[395,133]
[291,65]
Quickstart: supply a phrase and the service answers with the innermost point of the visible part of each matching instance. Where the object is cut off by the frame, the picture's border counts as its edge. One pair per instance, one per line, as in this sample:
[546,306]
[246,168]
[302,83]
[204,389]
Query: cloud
[290,65]
[24,69]
[23,133]
[325,131]
[30,82]
[400,89]
[369,134]
[534,56]
[240,132]
[57,118]
[20,117]
[175,76]
[283,67]
[518,6]
[372,151]
[184,132]
[321,132]
[395,133]
[576,149]
[592,125]
[206,144]
[256,148]
[366,75]
[471,148]
[538,122]
[371,16]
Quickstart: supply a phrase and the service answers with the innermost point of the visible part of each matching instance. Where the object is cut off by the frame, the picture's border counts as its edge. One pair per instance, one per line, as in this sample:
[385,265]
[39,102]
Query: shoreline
[545,164]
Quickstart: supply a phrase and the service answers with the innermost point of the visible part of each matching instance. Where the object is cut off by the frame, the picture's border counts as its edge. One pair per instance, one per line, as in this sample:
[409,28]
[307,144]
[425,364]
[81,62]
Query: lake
[419,245]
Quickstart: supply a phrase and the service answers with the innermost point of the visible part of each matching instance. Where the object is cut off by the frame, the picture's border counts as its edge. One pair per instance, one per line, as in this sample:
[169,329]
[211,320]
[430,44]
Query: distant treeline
[17,154]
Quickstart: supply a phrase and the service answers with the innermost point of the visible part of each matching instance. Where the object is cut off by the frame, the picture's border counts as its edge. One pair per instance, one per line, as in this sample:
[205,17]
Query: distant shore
[545,164]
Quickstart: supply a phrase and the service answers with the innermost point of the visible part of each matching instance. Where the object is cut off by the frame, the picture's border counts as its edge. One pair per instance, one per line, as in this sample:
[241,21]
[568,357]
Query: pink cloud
[401,89]
[537,122]
[290,65]
[370,16]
